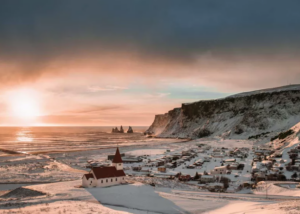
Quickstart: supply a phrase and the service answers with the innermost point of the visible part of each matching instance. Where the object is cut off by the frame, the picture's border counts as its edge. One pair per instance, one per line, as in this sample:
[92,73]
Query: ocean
[51,139]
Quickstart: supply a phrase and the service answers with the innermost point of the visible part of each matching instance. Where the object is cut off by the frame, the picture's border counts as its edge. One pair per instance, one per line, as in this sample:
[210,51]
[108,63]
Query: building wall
[101,182]
[218,171]
[88,183]
[119,166]
[207,179]
[110,181]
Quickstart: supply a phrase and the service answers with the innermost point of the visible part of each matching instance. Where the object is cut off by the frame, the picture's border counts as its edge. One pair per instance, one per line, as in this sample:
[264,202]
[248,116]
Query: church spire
[117,158]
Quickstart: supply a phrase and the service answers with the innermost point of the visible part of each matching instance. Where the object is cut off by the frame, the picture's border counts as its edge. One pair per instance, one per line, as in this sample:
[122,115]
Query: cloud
[212,42]
[157,95]
[94,109]
[107,88]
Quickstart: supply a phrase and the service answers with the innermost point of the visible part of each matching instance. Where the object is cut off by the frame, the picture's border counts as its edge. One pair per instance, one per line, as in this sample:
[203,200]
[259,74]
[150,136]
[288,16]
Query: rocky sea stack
[130,130]
[116,130]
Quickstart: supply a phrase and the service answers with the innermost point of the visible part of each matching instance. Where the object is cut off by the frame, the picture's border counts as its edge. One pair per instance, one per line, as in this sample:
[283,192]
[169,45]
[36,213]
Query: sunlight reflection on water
[24,136]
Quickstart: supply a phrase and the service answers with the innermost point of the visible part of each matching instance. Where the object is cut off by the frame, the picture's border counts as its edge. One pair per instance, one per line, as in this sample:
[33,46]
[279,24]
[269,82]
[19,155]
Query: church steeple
[117,158]
[117,161]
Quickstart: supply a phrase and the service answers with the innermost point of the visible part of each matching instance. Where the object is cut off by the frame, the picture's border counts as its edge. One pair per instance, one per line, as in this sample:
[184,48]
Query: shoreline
[17,153]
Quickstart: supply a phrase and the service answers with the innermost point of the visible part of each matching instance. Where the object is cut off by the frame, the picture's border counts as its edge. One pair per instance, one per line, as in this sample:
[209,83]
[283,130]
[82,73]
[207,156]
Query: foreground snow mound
[135,196]
[22,193]
[274,188]
[249,115]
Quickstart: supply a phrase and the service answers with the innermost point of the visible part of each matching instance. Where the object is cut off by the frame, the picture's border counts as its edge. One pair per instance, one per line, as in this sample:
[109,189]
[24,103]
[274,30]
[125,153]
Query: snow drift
[241,116]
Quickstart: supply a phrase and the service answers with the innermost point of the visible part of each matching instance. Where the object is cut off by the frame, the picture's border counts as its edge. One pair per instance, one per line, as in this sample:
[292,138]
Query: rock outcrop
[121,129]
[116,130]
[130,130]
[238,116]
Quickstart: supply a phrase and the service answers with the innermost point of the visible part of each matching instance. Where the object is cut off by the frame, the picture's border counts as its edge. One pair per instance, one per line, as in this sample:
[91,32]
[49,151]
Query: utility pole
[266,187]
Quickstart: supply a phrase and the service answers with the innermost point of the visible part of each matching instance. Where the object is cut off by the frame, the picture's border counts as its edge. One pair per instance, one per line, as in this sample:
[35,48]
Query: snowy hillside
[244,115]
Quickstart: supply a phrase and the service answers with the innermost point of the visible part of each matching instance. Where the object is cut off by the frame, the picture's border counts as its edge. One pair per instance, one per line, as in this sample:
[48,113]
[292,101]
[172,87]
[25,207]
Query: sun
[24,104]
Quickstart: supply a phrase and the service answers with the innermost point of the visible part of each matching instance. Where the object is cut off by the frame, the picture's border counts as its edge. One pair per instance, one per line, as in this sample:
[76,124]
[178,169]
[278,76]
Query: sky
[116,62]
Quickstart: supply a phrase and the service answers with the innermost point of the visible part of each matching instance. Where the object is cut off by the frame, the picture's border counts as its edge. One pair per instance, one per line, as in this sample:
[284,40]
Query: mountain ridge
[238,116]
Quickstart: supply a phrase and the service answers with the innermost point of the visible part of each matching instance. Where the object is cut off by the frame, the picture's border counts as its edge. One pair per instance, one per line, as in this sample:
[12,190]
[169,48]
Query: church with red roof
[104,176]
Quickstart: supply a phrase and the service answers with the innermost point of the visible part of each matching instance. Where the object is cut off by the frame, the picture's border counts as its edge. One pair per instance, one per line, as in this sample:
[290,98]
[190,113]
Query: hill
[241,116]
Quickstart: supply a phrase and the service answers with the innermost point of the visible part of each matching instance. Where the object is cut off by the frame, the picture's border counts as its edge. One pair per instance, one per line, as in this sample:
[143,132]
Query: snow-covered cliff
[238,116]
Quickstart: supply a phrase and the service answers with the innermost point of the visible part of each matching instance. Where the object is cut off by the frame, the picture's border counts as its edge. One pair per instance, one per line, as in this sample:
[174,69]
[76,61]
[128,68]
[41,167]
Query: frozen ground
[67,197]
[167,197]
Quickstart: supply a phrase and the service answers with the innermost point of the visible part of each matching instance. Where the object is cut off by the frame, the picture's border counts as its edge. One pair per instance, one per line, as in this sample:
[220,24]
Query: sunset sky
[97,63]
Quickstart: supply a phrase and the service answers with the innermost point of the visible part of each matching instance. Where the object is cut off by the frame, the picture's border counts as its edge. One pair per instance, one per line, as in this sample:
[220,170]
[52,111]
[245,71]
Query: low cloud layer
[213,41]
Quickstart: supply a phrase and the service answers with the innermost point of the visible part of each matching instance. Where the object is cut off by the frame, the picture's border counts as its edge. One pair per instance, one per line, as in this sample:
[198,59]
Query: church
[105,176]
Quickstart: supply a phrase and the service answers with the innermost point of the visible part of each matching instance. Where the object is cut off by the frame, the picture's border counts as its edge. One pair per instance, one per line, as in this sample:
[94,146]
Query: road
[233,195]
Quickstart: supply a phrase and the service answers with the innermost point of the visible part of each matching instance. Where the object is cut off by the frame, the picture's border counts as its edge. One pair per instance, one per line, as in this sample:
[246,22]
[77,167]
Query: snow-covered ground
[169,196]
[67,197]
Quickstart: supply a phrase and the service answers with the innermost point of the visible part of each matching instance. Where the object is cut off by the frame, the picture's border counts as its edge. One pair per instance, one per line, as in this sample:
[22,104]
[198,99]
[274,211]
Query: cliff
[239,116]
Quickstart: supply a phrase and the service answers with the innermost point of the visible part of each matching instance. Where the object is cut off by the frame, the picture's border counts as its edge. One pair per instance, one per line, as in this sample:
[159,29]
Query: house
[256,167]
[169,165]
[217,150]
[215,187]
[145,171]
[152,164]
[136,167]
[219,170]
[231,190]
[217,155]
[159,162]
[230,160]
[186,153]
[260,176]
[184,177]
[207,159]
[104,176]
[162,169]
[131,159]
[199,162]
[296,167]
[247,184]
[267,163]
[233,166]
[207,178]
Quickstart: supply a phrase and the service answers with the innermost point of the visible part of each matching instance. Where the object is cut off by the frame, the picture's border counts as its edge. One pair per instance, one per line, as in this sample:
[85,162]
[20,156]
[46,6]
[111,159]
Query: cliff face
[239,116]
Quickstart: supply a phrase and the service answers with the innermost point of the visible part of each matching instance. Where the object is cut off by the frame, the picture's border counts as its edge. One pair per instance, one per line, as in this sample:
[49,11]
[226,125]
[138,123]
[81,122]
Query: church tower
[117,161]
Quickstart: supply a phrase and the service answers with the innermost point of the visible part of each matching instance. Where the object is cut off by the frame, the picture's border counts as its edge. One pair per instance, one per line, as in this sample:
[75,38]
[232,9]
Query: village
[213,167]
[211,172]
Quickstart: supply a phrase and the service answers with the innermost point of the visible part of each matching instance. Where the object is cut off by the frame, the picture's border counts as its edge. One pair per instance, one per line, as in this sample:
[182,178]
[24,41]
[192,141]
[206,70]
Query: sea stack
[121,130]
[115,130]
[130,130]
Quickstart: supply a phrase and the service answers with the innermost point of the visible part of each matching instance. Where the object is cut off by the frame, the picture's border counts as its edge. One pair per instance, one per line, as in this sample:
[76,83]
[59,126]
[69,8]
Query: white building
[207,178]
[218,155]
[104,176]
[219,170]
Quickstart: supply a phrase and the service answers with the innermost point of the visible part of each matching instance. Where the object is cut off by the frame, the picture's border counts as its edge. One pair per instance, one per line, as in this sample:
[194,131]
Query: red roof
[117,158]
[107,172]
[88,176]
